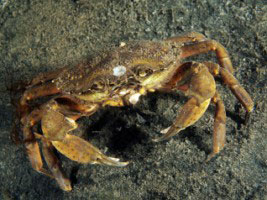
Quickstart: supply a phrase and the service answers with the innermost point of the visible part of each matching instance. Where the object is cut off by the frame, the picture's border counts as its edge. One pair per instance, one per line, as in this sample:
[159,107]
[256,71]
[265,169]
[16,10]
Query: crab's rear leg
[194,80]
[219,129]
[220,114]
[34,154]
[206,46]
[31,145]
[34,93]
[54,165]
[47,76]
[239,92]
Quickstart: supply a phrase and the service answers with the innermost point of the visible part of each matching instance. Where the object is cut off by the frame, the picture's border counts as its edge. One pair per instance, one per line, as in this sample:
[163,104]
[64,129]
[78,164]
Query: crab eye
[143,72]
[97,85]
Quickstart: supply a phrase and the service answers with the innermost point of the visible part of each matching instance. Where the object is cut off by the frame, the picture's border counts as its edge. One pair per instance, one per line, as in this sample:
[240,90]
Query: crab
[118,78]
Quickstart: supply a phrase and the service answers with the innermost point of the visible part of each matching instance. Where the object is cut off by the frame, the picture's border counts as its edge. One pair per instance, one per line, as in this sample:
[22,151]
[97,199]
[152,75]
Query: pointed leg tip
[64,183]
[120,164]
[117,161]
[67,189]
[163,137]
[123,164]
[157,139]
[210,157]
[247,118]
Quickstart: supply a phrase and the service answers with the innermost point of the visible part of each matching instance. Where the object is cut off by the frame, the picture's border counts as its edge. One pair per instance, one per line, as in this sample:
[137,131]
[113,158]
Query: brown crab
[119,78]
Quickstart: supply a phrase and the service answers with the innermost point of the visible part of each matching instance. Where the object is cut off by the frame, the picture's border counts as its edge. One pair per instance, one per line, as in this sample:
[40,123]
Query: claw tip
[157,139]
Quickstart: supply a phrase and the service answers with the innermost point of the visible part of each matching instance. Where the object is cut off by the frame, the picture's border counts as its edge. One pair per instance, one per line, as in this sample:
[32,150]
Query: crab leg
[38,91]
[220,115]
[34,93]
[219,126]
[35,158]
[239,92]
[34,154]
[206,46]
[47,76]
[31,144]
[54,166]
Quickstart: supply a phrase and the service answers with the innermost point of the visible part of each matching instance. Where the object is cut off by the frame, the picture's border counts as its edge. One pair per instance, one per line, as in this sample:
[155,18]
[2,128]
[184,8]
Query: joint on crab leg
[219,126]
[55,125]
[33,93]
[239,92]
[206,46]
[214,68]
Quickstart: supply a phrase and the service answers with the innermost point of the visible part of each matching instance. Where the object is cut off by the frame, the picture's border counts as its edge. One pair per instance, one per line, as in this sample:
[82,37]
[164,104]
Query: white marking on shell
[134,98]
[122,44]
[119,70]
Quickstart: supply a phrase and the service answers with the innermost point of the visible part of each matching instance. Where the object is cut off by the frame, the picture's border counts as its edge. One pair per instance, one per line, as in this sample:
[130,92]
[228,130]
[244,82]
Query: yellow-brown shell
[140,59]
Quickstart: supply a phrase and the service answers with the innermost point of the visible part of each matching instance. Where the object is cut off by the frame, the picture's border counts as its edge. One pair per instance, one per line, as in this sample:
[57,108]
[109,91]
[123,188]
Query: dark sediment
[37,37]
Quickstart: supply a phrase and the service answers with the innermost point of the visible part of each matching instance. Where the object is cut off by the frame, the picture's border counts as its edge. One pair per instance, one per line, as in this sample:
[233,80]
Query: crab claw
[80,150]
[111,161]
[188,115]
[168,132]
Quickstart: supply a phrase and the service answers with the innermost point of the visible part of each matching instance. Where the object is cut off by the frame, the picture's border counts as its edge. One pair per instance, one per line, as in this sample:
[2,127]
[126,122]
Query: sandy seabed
[38,36]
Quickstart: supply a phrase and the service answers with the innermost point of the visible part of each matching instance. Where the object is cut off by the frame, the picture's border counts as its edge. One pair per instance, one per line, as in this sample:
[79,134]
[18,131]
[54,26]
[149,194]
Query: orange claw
[188,115]
[79,150]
